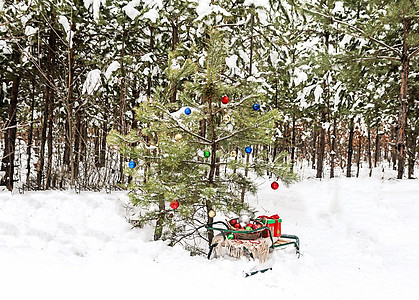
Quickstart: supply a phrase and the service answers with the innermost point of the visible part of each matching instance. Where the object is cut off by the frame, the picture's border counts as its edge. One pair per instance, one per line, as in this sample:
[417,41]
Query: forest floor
[359,239]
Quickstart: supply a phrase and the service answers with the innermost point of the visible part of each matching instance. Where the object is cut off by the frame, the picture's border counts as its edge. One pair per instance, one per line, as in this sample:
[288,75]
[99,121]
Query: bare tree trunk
[30,134]
[358,161]
[293,143]
[10,138]
[333,150]
[369,151]
[402,117]
[77,137]
[320,154]
[50,95]
[350,147]
[393,148]
[314,148]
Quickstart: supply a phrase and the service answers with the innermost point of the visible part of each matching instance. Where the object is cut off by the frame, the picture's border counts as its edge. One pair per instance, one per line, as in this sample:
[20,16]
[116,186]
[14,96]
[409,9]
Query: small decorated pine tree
[196,154]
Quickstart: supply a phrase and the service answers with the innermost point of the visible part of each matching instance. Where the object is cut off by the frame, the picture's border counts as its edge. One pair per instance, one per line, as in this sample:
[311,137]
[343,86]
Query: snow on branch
[364,34]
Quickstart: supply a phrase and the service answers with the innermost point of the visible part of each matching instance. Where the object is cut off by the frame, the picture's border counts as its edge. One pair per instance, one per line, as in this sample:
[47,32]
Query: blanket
[259,248]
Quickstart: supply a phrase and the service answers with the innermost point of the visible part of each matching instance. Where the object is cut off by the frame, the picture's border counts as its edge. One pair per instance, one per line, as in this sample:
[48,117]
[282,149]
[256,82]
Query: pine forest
[201,94]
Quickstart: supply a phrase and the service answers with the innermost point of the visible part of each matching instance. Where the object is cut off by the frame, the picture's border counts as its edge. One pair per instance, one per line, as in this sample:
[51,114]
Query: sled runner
[256,243]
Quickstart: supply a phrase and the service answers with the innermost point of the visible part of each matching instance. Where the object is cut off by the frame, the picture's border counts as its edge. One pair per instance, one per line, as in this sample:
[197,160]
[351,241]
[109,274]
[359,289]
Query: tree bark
[402,117]
[30,135]
[369,150]
[8,159]
[333,150]
[350,147]
[50,95]
[320,154]
[293,143]
[314,148]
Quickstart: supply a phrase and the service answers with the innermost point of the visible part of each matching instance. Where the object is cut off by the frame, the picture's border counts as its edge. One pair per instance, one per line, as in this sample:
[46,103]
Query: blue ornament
[187,111]
[132,164]
[248,150]
[256,106]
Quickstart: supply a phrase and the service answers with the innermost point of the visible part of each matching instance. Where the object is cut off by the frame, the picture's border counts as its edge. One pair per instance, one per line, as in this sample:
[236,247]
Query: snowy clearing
[359,239]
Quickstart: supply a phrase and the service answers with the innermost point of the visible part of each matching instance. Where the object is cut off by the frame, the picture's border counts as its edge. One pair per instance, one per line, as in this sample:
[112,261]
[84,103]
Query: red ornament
[233,222]
[274,185]
[224,99]
[237,225]
[174,204]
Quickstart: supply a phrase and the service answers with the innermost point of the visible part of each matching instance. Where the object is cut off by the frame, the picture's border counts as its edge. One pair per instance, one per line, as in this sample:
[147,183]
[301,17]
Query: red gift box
[274,224]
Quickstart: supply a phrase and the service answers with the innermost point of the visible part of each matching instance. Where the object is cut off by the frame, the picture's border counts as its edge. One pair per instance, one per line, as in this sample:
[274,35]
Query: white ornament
[245,219]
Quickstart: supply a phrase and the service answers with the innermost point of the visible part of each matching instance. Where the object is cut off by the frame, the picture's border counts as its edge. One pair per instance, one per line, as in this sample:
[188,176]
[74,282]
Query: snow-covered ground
[359,239]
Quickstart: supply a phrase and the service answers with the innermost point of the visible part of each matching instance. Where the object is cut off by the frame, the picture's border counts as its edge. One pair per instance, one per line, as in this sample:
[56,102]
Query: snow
[257,3]
[130,9]
[205,8]
[299,76]
[5,48]
[66,25]
[112,68]
[95,7]
[318,93]
[92,82]
[152,15]
[358,240]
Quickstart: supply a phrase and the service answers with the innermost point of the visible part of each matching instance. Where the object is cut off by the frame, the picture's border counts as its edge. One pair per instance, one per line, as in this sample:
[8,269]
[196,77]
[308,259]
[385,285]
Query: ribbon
[271,217]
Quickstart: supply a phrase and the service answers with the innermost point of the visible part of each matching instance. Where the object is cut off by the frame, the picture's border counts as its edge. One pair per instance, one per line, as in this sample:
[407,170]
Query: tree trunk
[30,135]
[10,137]
[50,95]
[175,41]
[314,148]
[333,150]
[320,154]
[358,161]
[350,147]
[369,150]
[148,92]
[293,144]
[122,104]
[401,124]
[77,138]
[393,148]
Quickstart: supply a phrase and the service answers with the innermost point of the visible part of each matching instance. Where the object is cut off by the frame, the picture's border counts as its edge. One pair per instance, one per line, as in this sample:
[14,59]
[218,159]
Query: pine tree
[185,158]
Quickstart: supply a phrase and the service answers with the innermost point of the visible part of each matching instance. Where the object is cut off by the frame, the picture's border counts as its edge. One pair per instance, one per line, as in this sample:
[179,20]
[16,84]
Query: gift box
[274,224]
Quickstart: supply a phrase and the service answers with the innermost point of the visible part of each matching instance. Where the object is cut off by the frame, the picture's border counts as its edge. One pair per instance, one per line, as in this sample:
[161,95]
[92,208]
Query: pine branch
[242,130]
[364,34]
[179,125]
[416,51]
[376,58]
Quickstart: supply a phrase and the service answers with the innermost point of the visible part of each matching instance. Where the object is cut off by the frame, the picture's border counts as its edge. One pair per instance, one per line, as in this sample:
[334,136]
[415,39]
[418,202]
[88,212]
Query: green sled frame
[284,240]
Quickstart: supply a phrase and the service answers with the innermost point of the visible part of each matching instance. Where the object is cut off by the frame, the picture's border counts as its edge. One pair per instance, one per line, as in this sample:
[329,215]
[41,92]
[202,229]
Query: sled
[246,246]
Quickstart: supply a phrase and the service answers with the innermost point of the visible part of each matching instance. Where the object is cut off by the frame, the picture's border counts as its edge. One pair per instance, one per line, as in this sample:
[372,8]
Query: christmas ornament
[237,225]
[187,111]
[230,236]
[248,150]
[132,164]
[224,99]
[226,118]
[206,153]
[256,106]
[248,228]
[233,154]
[211,213]
[274,185]
[233,222]
[244,219]
[178,137]
[174,204]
